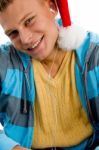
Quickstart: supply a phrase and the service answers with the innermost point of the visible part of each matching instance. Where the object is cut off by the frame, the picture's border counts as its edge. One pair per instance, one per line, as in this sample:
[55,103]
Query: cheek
[17,44]
[42,24]
[53,30]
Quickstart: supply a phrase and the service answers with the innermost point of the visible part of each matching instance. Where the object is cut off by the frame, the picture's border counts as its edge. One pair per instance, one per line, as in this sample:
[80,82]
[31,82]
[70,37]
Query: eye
[13,34]
[29,21]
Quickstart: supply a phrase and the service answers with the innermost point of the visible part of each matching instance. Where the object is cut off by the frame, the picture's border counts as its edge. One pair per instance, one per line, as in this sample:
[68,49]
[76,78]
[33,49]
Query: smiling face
[31,26]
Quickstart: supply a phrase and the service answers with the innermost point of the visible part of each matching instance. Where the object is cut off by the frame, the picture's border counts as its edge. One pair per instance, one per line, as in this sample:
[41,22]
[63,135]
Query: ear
[53,7]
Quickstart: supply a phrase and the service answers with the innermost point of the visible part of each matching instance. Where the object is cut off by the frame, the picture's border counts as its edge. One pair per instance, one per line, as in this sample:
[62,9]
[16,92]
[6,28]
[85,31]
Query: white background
[84,13]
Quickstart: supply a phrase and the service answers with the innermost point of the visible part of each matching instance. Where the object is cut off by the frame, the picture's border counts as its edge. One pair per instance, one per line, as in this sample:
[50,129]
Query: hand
[20,148]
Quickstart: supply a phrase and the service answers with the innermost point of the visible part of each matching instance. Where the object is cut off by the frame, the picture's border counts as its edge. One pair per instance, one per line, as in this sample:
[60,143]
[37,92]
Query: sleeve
[92,84]
[6,143]
[88,62]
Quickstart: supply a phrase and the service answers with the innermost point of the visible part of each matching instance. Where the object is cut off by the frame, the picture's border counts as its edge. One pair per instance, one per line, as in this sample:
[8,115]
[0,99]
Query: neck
[53,62]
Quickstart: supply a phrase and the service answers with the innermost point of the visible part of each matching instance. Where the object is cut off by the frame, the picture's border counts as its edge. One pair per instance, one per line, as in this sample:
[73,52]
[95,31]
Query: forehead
[18,9]
[17,5]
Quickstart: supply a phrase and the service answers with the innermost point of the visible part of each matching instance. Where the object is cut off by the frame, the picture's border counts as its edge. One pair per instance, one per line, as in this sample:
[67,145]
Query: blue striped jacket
[17,90]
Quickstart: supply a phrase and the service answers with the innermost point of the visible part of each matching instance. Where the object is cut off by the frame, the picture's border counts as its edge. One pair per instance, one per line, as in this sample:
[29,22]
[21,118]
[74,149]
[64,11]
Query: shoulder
[88,47]
[94,37]
[5,48]
[6,51]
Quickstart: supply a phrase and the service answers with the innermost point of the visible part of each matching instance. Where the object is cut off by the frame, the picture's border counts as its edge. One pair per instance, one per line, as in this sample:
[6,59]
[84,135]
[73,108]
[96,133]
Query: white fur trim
[71,37]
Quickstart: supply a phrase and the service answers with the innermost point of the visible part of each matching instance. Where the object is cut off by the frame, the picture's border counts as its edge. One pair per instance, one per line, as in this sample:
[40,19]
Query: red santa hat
[70,36]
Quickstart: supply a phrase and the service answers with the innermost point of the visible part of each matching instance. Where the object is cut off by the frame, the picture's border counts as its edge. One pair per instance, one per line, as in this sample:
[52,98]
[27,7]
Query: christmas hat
[70,36]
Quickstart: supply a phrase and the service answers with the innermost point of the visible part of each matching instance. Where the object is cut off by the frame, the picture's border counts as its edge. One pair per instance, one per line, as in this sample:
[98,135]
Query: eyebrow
[10,30]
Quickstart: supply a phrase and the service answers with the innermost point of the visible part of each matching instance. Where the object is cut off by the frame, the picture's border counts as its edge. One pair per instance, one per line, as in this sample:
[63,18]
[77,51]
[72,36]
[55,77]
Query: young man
[48,96]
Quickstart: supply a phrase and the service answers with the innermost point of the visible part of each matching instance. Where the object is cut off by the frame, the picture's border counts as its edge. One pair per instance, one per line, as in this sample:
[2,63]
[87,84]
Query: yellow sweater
[60,120]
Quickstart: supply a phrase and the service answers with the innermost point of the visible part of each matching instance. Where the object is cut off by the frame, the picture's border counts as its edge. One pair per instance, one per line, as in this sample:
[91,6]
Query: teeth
[37,43]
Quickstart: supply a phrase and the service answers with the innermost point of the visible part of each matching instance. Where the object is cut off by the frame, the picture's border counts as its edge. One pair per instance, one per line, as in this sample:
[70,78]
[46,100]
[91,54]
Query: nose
[26,36]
